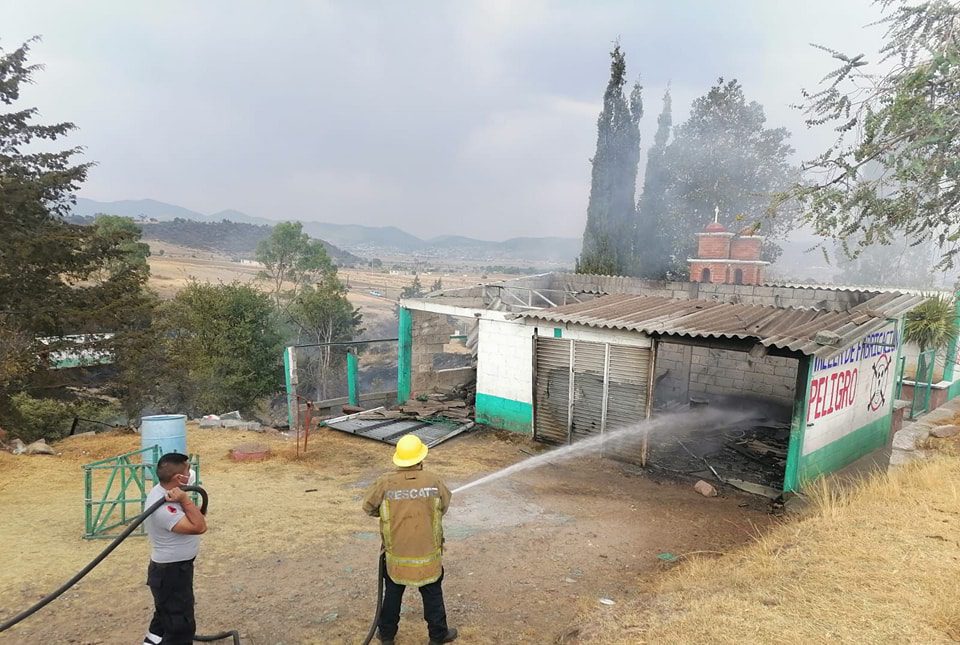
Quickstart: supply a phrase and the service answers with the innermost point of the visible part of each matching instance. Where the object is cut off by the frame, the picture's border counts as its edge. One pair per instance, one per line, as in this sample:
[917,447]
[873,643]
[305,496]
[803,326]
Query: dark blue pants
[172,586]
[433,610]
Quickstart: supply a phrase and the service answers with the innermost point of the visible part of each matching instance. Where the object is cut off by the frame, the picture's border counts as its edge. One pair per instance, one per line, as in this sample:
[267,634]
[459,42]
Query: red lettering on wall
[832,393]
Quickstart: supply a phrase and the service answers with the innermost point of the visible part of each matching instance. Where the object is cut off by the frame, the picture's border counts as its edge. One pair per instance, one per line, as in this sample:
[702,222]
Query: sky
[469,118]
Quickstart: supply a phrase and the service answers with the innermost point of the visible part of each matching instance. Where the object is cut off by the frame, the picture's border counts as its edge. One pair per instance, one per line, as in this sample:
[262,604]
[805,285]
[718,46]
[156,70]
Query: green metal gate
[115,490]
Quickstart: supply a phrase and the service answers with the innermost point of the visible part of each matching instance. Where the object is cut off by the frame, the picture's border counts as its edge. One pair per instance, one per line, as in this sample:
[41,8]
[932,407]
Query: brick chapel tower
[727,258]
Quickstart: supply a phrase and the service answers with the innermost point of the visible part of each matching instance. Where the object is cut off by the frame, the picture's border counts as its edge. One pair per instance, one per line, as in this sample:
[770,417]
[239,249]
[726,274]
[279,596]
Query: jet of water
[701,420]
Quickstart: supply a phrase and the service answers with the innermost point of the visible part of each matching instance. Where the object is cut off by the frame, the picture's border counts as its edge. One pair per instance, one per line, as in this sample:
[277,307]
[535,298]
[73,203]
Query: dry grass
[877,562]
[41,507]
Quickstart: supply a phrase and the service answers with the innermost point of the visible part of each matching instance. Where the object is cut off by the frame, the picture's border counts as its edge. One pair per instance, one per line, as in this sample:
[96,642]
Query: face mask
[191,478]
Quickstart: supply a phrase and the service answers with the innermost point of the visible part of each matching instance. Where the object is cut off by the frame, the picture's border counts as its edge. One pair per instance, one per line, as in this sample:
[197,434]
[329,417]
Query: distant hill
[369,241]
[231,238]
[355,236]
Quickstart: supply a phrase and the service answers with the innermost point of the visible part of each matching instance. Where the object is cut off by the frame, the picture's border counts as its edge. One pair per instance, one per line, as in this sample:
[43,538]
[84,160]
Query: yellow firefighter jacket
[410,503]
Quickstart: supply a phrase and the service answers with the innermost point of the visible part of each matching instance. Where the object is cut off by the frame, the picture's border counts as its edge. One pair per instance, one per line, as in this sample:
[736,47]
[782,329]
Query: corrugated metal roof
[855,288]
[789,328]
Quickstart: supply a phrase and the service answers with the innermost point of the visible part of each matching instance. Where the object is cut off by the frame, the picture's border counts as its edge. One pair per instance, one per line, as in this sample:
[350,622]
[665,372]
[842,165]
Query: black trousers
[172,586]
[433,610]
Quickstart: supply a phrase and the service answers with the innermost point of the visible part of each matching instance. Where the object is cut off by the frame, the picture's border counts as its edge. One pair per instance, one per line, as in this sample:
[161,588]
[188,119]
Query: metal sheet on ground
[390,430]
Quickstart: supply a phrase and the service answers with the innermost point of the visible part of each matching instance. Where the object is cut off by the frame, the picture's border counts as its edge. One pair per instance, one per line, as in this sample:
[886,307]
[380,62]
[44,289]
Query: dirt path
[285,565]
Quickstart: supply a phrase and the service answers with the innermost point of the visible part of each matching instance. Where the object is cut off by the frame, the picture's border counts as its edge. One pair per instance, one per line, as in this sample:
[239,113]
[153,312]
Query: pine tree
[56,278]
[652,244]
[610,233]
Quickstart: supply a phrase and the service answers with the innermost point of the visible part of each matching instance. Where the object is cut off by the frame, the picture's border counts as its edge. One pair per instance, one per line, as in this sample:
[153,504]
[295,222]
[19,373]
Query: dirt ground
[290,558]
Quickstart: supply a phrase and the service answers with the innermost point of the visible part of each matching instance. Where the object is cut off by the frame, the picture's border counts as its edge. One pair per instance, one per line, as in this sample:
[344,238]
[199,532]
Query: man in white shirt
[174,530]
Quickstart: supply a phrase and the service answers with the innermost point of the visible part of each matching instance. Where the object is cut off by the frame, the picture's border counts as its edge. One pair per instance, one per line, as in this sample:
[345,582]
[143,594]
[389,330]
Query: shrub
[933,324]
[32,419]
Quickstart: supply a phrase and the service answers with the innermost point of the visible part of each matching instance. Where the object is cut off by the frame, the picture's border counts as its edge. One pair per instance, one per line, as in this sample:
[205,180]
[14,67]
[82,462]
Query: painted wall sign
[852,389]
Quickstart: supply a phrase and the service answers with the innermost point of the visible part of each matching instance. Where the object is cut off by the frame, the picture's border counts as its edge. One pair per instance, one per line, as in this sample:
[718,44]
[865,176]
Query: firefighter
[410,503]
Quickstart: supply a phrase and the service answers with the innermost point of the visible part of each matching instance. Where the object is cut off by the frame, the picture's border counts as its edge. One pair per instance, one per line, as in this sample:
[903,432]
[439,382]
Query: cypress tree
[609,237]
[654,252]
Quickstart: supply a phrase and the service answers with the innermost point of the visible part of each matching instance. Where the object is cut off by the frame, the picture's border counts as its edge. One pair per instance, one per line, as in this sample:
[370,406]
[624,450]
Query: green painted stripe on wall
[557,332]
[845,451]
[954,390]
[798,423]
[505,414]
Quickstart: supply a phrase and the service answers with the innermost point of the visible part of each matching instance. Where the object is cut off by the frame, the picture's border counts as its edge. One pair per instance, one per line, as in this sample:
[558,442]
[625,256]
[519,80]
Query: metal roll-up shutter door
[588,371]
[629,378]
[552,390]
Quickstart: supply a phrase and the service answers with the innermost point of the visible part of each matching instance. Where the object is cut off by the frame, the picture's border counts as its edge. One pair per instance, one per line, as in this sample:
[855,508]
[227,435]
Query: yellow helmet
[410,451]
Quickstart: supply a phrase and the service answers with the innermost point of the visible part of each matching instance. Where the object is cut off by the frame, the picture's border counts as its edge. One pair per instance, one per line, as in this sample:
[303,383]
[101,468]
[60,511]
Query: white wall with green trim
[846,410]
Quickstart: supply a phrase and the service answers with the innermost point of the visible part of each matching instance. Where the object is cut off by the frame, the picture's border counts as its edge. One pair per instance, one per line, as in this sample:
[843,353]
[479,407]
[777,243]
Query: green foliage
[292,260]
[893,170]
[322,314]
[655,256]
[610,234]
[216,348]
[17,357]
[31,418]
[124,234]
[933,324]
[722,157]
[56,278]
[415,290]
[437,285]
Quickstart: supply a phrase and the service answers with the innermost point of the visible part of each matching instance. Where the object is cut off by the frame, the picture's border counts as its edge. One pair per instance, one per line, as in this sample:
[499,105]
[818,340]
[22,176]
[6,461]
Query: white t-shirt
[167,545]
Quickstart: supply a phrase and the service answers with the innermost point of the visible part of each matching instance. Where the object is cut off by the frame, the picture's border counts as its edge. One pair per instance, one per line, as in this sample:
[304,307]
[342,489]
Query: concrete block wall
[672,379]
[720,371]
[430,333]
[782,296]
[832,300]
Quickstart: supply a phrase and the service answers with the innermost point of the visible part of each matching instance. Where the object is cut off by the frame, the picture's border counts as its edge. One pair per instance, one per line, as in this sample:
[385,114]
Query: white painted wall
[505,360]
[852,390]
[592,334]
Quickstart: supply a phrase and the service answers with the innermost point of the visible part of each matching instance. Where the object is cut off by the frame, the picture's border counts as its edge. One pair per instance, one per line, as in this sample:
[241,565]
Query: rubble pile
[451,405]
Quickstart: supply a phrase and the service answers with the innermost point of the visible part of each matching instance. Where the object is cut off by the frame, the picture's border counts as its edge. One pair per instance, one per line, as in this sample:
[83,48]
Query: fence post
[950,360]
[404,355]
[290,381]
[353,378]
[88,501]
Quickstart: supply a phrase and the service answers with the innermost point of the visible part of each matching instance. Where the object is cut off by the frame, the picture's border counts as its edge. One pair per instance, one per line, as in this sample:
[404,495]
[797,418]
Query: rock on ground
[945,432]
[38,448]
[705,489]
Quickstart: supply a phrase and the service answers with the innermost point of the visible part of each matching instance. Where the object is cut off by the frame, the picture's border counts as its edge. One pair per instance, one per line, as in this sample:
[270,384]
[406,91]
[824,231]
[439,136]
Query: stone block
[945,432]
[908,438]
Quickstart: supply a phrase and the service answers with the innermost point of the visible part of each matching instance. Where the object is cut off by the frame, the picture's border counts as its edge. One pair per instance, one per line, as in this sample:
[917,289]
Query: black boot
[449,638]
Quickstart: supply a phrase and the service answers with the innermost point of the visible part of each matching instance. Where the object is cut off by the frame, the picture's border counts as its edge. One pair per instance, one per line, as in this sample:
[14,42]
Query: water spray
[705,419]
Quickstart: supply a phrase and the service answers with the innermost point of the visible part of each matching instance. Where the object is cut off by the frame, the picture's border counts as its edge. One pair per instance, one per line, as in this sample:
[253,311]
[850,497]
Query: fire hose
[46,600]
[381,572]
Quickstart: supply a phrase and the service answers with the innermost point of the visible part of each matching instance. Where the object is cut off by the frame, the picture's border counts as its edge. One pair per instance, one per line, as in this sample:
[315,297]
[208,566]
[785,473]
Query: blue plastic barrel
[169,431]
